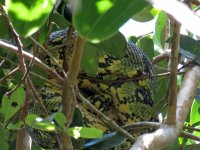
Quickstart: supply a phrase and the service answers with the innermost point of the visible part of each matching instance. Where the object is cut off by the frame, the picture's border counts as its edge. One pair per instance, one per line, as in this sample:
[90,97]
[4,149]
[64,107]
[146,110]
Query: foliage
[97,21]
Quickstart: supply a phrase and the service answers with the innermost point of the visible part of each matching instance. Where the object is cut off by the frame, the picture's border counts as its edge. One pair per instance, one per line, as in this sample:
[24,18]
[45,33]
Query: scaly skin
[122,100]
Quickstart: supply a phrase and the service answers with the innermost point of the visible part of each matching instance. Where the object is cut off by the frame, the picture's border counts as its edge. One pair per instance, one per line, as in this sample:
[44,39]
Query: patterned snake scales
[124,102]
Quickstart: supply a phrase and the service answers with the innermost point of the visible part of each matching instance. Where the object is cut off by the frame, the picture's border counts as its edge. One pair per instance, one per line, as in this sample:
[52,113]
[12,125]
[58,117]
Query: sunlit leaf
[85,132]
[60,119]
[39,123]
[105,16]
[27,16]
[10,105]
[159,36]
[194,113]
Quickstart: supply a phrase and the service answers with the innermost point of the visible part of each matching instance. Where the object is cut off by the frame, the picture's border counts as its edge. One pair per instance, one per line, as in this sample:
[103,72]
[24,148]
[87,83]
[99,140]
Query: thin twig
[190,136]
[105,119]
[37,61]
[23,78]
[9,74]
[111,82]
[192,128]
[48,53]
[165,55]
[144,124]
[44,79]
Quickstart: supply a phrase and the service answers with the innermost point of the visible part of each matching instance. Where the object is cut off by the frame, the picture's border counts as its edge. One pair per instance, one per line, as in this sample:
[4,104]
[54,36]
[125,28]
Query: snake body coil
[123,100]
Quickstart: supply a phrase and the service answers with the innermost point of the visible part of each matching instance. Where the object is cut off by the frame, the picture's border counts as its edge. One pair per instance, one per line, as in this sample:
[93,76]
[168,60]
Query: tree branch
[167,133]
[171,113]
[68,96]
[37,61]
[110,123]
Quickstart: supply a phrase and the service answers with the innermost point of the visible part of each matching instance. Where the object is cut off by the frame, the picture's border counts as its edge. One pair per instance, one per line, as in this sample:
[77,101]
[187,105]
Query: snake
[123,101]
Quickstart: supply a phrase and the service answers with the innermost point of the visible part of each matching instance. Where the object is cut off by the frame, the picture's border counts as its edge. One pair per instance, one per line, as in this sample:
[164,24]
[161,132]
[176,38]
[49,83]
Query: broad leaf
[146,43]
[146,14]
[4,29]
[97,20]
[16,125]
[85,132]
[116,45]
[39,123]
[77,119]
[3,139]
[59,20]
[159,36]
[190,48]
[36,80]
[27,16]
[60,119]
[194,112]
[10,105]
[89,62]
[134,39]
[3,85]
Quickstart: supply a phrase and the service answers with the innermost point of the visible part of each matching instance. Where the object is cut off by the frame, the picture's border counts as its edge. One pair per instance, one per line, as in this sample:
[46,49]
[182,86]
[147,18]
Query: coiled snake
[125,102]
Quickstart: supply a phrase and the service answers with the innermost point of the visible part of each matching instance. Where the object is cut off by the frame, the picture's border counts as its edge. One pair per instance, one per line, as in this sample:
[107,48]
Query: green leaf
[10,105]
[190,48]
[16,125]
[134,39]
[161,90]
[85,132]
[39,123]
[108,141]
[159,36]
[3,139]
[105,16]
[146,43]
[116,45]
[194,112]
[59,20]
[3,85]
[27,16]
[60,119]
[4,30]
[37,81]
[89,63]
[145,14]
[77,119]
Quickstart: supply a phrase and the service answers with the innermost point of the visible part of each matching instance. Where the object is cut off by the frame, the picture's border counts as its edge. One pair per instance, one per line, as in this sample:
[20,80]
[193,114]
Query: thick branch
[68,97]
[166,134]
